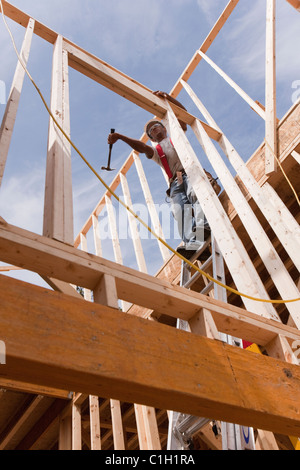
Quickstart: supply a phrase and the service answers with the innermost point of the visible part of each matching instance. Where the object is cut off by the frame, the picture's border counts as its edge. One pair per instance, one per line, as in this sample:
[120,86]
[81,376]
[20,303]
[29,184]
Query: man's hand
[161,94]
[136,145]
[112,138]
[164,95]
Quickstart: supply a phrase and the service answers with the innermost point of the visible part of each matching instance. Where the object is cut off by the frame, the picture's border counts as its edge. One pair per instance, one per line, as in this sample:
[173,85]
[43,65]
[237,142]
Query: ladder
[183,427]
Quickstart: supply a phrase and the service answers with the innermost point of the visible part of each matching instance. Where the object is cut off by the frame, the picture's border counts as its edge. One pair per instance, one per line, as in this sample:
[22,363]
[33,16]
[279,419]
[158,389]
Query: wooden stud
[147,428]
[83,242]
[151,207]
[94,423]
[268,201]
[271,122]
[140,424]
[97,239]
[280,349]
[58,209]
[203,324]
[117,425]
[138,249]
[13,99]
[151,428]
[76,427]
[269,256]
[105,292]
[266,441]
[289,221]
[65,432]
[233,251]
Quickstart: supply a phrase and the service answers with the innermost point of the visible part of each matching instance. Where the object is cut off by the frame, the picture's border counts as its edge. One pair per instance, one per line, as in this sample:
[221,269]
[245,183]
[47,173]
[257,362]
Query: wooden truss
[70,360]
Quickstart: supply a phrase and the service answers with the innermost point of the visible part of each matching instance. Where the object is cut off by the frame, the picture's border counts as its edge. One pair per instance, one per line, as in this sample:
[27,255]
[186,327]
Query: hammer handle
[110,149]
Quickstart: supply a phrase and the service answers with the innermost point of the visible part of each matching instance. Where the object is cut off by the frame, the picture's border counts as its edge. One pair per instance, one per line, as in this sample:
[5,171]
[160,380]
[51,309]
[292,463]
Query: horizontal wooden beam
[57,260]
[108,76]
[34,389]
[58,341]
[94,68]
[23,18]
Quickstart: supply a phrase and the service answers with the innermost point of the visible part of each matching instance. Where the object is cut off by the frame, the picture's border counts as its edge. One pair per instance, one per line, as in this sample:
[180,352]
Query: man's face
[158,133]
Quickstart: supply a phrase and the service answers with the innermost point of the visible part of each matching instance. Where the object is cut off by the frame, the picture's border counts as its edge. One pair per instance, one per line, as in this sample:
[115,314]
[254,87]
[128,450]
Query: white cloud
[21,201]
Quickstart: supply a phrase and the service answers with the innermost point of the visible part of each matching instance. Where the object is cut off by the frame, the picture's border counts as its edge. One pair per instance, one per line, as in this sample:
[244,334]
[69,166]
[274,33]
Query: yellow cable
[230,289]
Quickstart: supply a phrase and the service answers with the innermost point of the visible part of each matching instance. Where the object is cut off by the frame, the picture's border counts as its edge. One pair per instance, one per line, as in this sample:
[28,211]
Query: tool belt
[177,176]
[213,181]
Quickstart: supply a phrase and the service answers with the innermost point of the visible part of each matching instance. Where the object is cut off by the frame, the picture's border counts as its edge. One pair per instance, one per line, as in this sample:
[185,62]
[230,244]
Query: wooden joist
[34,389]
[101,351]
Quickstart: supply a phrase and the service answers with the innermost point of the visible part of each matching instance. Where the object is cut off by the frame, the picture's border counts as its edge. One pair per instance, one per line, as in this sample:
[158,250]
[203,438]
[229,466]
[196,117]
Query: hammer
[107,168]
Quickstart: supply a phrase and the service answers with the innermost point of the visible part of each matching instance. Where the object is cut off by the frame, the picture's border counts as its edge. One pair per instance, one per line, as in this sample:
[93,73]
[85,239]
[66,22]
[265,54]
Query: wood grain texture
[97,350]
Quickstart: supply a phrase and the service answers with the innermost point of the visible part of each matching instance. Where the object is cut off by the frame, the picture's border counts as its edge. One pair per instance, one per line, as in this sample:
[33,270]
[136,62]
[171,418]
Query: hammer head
[107,168]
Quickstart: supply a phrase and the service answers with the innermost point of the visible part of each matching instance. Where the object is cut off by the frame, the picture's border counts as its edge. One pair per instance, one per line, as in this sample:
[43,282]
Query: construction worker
[192,224]
[295,4]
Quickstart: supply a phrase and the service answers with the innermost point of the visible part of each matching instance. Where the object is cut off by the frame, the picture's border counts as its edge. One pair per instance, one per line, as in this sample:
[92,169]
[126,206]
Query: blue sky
[152,42]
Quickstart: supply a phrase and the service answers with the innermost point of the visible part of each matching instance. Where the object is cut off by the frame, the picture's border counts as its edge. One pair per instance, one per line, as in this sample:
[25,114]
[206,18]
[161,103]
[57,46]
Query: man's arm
[136,145]
[163,94]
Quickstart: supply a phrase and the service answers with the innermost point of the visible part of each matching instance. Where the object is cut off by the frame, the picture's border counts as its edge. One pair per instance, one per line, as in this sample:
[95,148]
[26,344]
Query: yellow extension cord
[234,291]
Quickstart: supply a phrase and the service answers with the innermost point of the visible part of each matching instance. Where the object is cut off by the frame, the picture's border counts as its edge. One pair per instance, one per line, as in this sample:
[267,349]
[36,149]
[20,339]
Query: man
[192,224]
[295,4]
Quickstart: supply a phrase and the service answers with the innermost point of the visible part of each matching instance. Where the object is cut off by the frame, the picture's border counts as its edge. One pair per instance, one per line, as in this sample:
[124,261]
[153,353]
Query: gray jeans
[187,211]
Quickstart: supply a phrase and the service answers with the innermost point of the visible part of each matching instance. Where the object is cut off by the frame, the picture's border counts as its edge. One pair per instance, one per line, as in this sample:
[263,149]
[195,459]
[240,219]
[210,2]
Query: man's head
[155,130]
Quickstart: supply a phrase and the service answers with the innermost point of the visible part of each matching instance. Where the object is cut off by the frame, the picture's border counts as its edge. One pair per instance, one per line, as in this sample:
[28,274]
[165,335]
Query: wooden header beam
[126,87]
[100,351]
[108,76]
